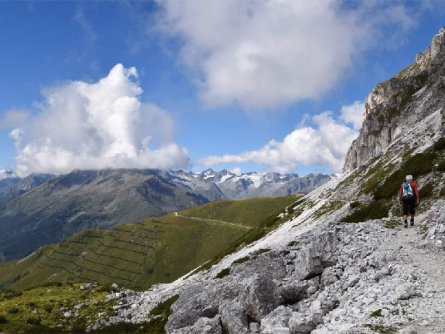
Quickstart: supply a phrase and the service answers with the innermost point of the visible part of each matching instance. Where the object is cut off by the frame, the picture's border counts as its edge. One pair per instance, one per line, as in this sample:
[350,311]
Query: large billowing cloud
[263,54]
[324,143]
[96,125]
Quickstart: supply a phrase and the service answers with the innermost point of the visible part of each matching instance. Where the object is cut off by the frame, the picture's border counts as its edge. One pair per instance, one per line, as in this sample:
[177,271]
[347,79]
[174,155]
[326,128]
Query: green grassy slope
[153,251]
[40,310]
[71,309]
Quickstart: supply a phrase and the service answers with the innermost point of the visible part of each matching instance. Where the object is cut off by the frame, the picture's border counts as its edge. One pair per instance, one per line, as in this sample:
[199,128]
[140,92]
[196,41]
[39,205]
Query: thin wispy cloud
[89,35]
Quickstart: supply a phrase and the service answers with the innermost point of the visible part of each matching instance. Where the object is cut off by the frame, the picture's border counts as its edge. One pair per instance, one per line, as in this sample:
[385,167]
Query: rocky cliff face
[396,105]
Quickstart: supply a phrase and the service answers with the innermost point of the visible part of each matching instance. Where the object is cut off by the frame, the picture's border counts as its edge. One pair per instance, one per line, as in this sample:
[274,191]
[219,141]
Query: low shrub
[242,260]
[48,308]
[439,145]
[293,243]
[427,190]
[382,329]
[336,304]
[34,320]
[373,210]
[376,313]
[354,205]
[12,294]
[13,310]
[3,319]
[49,284]
[223,273]
[392,224]
[163,309]
[260,251]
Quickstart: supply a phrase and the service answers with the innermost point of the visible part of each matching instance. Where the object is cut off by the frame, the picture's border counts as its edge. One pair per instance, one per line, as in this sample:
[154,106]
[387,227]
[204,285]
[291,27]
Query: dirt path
[431,307]
[215,221]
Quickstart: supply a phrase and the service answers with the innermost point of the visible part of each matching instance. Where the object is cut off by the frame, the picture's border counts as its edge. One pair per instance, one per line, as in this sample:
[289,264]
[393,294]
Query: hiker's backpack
[408,192]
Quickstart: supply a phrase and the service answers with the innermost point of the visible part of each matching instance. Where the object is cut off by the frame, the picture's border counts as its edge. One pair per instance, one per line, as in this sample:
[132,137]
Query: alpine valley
[41,209]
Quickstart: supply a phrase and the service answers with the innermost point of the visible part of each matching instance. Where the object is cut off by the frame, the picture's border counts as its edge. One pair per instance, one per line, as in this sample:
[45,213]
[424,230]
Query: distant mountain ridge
[42,209]
[248,185]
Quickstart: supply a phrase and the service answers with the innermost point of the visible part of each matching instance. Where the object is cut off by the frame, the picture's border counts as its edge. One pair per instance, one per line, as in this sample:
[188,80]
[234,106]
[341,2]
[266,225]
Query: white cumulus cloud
[353,114]
[96,125]
[326,142]
[262,54]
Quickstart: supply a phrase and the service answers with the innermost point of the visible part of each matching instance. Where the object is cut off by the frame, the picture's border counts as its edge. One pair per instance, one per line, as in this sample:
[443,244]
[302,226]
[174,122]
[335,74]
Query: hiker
[409,199]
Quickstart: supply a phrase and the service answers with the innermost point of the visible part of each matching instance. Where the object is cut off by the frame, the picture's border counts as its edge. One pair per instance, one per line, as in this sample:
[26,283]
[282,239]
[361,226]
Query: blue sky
[215,84]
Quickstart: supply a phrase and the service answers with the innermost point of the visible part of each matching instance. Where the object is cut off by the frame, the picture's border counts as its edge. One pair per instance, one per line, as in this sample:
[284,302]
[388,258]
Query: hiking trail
[410,247]
[215,221]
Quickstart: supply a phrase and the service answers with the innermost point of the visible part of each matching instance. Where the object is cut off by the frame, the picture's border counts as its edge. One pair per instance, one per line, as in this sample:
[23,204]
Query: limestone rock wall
[395,106]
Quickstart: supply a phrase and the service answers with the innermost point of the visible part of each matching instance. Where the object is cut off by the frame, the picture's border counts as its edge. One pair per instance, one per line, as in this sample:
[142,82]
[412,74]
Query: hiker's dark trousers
[409,206]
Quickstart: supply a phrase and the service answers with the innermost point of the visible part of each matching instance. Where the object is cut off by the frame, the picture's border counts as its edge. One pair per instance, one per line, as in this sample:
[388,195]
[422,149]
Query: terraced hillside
[152,251]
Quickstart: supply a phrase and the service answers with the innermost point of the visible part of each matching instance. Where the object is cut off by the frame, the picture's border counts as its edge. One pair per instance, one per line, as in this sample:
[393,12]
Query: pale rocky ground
[331,279]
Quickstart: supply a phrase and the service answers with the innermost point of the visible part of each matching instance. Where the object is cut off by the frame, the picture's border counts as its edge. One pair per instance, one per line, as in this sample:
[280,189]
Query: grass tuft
[392,224]
[376,313]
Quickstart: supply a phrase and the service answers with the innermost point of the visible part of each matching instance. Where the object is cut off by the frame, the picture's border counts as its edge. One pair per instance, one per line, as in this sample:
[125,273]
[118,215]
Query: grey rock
[202,326]
[233,317]
[301,324]
[276,321]
[315,256]
[259,296]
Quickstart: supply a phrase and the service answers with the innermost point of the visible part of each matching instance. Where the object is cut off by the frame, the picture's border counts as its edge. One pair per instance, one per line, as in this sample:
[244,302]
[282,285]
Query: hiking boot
[405,224]
[411,222]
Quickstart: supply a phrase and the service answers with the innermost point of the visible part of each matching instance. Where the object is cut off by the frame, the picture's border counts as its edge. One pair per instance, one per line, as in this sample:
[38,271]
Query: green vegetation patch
[164,308]
[417,165]
[382,329]
[52,309]
[335,305]
[375,176]
[223,273]
[427,190]
[376,313]
[242,260]
[260,251]
[439,145]
[293,243]
[392,224]
[372,210]
[327,208]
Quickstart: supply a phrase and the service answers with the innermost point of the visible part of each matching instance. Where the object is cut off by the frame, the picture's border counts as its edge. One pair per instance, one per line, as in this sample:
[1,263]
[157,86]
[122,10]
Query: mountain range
[41,209]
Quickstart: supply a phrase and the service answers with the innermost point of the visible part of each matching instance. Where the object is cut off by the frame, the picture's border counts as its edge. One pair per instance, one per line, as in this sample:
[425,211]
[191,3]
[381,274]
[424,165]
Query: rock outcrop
[396,105]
